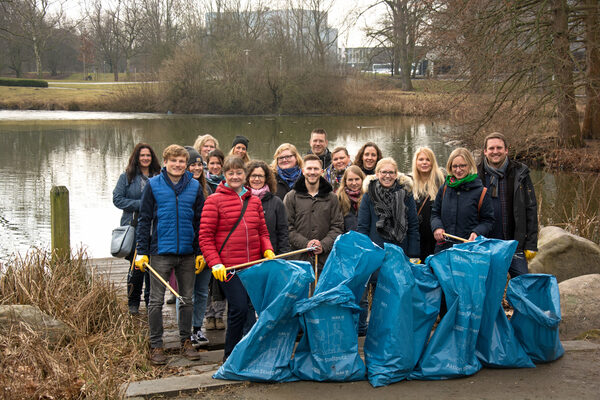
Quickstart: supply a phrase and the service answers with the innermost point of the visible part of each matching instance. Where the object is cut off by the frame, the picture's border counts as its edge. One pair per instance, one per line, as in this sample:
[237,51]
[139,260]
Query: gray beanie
[194,155]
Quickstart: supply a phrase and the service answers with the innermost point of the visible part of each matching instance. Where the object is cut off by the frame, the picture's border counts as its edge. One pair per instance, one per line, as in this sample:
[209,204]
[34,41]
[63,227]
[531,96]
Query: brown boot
[209,324]
[157,356]
[219,324]
[188,351]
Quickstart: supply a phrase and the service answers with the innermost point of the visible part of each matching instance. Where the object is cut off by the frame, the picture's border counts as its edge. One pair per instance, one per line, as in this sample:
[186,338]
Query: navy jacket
[367,220]
[170,216]
[456,210]
[127,195]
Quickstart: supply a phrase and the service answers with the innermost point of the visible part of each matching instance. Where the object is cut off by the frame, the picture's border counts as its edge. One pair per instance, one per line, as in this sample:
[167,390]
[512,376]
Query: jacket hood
[324,186]
[404,180]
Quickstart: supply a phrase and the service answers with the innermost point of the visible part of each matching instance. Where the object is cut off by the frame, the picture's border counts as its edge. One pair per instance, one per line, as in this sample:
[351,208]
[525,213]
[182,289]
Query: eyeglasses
[460,166]
[288,157]
[389,173]
[257,177]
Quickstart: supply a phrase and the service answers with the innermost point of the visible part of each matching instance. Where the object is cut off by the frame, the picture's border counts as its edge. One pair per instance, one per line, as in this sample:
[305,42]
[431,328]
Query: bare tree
[106,31]
[591,117]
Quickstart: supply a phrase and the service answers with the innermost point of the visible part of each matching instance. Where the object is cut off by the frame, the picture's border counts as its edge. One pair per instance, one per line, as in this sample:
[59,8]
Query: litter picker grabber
[146,265]
[291,253]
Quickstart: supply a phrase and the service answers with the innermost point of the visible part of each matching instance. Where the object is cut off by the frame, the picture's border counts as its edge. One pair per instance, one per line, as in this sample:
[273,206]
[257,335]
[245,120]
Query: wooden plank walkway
[116,269]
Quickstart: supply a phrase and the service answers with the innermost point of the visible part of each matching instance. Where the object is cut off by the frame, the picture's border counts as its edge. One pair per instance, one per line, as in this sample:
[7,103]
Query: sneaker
[210,324]
[157,356]
[199,340]
[188,351]
[219,324]
[133,310]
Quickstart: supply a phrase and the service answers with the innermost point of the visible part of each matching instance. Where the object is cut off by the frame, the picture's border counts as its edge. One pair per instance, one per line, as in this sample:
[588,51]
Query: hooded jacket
[522,219]
[249,240]
[456,212]
[319,217]
[367,218]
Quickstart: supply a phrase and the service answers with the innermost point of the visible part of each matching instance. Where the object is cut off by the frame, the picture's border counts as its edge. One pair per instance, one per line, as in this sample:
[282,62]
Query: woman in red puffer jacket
[249,241]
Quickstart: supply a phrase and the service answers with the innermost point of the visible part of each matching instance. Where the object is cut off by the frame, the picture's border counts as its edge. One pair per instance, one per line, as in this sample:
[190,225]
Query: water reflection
[86,152]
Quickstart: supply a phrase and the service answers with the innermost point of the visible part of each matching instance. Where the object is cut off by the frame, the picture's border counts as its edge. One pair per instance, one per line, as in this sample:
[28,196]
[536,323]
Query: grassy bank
[106,348]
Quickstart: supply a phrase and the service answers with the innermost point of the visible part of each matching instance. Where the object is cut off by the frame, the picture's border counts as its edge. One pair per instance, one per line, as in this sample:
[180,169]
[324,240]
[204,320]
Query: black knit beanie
[194,155]
[240,139]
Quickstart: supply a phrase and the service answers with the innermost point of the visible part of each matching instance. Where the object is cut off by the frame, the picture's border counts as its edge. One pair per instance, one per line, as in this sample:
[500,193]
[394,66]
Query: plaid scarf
[391,211]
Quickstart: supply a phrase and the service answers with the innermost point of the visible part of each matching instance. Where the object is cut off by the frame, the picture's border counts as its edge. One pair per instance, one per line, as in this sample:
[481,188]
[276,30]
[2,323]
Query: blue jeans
[200,297]
[238,313]
[518,265]
[184,272]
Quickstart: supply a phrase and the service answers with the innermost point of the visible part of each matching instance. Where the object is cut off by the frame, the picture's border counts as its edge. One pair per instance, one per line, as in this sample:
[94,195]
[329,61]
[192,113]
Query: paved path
[115,269]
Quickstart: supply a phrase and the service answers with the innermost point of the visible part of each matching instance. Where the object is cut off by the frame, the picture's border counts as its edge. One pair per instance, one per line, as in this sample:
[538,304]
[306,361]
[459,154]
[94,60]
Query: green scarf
[453,182]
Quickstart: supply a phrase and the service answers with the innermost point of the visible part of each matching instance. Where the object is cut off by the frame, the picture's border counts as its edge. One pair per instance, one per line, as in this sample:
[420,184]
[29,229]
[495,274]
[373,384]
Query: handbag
[123,239]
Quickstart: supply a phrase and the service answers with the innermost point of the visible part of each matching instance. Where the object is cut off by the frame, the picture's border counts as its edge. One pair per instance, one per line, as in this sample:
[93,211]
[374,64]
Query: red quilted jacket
[249,240]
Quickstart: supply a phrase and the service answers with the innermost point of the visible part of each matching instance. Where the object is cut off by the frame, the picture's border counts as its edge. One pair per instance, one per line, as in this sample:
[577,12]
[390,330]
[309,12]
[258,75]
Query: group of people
[204,212]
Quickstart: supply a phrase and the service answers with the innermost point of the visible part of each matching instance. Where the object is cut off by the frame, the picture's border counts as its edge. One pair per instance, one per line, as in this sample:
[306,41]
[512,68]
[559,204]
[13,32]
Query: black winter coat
[522,205]
[277,222]
[427,241]
[455,211]
[282,187]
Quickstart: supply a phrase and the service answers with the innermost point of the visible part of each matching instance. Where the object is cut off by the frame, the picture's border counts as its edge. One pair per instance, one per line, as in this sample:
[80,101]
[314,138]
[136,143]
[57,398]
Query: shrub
[23,82]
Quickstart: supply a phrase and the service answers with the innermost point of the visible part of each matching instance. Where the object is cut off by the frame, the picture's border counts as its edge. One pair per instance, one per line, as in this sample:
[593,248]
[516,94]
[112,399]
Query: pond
[86,152]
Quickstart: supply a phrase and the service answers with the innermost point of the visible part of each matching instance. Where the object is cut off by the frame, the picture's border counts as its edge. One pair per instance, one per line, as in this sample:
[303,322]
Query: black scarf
[391,211]
[495,174]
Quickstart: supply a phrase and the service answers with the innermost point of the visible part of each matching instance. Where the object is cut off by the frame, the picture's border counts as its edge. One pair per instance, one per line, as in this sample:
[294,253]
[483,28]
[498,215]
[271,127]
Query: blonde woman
[349,195]
[427,179]
[204,144]
[287,165]
[461,207]
[239,148]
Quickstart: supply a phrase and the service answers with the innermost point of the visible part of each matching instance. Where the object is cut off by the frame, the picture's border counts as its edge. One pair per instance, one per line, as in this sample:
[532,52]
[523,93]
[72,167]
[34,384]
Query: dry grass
[106,349]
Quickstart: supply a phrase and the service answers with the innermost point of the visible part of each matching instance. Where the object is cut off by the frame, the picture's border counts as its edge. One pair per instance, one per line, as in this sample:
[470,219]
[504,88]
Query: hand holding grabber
[456,238]
[291,253]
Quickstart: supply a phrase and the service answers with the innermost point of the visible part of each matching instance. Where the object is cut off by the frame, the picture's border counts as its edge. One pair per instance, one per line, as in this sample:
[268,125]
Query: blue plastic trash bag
[351,262]
[451,351]
[264,354]
[328,349]
[536,301]
[497,345]
[405,306]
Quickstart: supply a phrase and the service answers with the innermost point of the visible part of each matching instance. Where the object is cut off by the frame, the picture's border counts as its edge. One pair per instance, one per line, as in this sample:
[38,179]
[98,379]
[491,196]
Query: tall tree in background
[591,117]
[106,31]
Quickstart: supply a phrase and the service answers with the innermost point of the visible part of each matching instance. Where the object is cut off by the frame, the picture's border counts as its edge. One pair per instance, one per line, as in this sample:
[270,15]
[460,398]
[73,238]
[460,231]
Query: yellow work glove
[200,264]
[529,254]
[269,254]
[140,261]
[415,260]
[219,272]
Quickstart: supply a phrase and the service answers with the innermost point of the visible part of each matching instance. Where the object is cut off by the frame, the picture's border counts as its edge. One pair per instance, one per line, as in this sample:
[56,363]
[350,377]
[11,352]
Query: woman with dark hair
[287,167]
[142,165]
[214,166]
[349,195]
[262,184]
[233,231]
[367,158]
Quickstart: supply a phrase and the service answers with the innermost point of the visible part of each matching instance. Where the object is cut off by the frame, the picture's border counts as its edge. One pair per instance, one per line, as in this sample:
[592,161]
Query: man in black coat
[513,198]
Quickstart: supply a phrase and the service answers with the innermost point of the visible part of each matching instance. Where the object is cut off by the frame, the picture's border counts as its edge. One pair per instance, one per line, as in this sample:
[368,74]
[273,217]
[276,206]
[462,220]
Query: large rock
[580,305]
[565,255]
[15,316]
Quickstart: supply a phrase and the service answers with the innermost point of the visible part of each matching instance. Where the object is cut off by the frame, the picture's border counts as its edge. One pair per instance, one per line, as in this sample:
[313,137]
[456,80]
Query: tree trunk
[38,59]
[591,116]
[569,132]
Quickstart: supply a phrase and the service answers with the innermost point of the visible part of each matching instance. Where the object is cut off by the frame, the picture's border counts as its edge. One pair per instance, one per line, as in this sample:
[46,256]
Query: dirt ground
[575,376]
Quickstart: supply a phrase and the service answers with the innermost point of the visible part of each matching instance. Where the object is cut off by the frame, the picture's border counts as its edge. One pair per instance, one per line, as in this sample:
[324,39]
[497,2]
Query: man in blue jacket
[513,198]
[167,232]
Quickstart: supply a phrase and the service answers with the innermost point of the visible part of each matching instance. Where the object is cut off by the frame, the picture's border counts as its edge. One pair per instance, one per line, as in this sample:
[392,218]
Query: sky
[343,15]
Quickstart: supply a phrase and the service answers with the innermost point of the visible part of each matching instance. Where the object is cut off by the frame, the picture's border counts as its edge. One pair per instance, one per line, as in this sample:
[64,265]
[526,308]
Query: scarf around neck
[453,182]
[260,193]
[354,196]
[495,174]
[214,179]
[289,175]
[389,207]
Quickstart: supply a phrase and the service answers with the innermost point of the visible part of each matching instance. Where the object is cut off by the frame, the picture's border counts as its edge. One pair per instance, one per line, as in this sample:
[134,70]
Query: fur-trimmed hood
[403,179]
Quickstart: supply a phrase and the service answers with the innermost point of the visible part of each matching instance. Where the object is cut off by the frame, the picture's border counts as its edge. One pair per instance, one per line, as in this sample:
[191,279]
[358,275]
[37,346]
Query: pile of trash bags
[401,342]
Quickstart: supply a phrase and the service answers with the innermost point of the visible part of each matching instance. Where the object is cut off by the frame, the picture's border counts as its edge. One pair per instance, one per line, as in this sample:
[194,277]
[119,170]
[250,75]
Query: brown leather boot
[188,351]
[219,324]
[157,356]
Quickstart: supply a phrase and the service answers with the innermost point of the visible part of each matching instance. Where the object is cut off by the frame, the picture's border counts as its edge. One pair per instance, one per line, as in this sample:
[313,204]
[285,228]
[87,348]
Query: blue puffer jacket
[367,220]
[173,212]
[127,195]
[456,210]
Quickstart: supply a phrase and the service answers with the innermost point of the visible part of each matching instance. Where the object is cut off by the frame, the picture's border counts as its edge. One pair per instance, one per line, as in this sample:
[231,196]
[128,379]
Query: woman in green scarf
[462,207]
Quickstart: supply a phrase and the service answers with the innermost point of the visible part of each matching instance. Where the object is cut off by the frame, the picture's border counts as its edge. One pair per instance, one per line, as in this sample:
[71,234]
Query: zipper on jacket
[246,228]
[177,220]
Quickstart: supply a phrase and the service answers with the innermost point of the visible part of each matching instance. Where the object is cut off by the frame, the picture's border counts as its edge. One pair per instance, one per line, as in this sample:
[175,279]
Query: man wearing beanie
[239,148]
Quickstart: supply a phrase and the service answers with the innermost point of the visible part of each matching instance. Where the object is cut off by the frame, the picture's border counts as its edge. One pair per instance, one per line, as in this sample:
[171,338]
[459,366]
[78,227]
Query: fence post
[59,221]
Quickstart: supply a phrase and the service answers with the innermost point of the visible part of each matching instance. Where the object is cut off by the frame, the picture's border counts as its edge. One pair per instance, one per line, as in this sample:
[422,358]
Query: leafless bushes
[106,348]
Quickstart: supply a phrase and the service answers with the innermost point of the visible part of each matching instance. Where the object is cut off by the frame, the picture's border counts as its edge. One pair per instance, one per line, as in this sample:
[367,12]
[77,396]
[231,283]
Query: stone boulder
[565,255]
[15,316]
[580,305]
